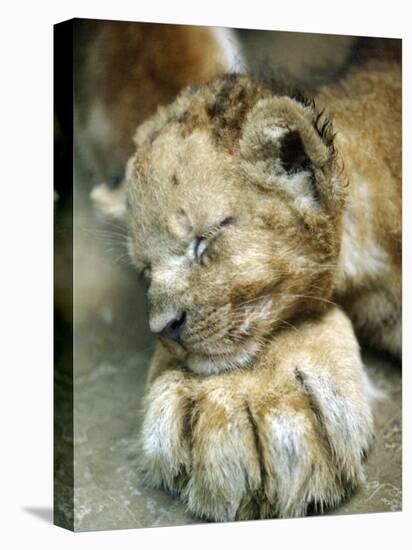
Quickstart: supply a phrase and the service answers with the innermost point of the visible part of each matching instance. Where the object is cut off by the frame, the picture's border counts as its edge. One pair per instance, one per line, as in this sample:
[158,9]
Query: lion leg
[273,440]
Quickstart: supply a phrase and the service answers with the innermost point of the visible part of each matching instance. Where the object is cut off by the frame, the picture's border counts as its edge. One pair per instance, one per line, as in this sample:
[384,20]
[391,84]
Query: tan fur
[260,408]
[266,441]
[371,290]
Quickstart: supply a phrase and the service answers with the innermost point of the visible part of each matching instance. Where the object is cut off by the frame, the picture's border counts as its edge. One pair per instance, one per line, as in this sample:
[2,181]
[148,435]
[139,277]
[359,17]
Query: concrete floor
[111,353]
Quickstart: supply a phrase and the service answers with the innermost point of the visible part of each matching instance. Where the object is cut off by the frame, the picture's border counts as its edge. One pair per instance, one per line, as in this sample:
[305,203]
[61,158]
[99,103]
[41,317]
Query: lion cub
[251,216]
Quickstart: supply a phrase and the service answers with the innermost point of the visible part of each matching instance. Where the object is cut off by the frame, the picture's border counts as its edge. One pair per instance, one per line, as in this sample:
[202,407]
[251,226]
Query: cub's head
[232,202]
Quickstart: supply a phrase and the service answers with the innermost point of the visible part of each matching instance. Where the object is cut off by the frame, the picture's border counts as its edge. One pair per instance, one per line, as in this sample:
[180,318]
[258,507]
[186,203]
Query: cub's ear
[110,203]
[281,147]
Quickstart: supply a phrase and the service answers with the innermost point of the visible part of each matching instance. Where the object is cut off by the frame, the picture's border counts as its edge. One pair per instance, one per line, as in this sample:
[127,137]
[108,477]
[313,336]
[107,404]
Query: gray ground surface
[112,350]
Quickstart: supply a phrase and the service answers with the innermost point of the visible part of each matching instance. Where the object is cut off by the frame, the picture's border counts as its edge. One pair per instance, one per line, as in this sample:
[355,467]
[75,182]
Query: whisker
[309,297]
[123,259]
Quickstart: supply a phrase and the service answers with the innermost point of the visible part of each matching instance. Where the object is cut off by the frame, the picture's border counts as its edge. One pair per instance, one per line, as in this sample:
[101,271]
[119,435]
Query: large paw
[235,447]
[165,449]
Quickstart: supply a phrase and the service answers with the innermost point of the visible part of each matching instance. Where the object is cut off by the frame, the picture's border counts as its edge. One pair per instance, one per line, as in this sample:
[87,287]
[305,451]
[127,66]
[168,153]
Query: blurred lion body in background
[127,70]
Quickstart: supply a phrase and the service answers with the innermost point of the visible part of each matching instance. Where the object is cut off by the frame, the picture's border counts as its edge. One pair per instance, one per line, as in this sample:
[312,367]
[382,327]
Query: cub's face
[226,255]
[233,202]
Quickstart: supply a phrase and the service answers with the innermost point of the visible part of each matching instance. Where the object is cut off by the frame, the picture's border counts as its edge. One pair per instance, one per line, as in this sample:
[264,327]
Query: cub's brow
[217,227]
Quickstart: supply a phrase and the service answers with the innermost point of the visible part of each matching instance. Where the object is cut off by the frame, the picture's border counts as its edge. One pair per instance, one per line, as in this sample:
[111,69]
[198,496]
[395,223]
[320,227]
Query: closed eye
[199,246]
[227,221]
[201,242]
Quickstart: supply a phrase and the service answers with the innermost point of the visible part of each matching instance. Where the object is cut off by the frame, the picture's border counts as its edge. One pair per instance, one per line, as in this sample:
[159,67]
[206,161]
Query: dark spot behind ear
[294,159]
[292,154]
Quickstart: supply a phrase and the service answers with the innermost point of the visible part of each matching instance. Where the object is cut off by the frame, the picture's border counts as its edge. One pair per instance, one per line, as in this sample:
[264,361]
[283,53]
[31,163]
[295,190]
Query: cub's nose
[173,328]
